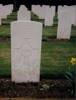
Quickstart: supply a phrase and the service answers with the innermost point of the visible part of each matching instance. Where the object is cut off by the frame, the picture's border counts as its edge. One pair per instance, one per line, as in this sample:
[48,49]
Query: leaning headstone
[26,39]
[64,24]
[23,13]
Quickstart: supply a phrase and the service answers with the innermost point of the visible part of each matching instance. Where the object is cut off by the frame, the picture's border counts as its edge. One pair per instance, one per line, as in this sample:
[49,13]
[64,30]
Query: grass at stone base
[5,27]
[5,30]
[5,58]
[47,31]
[55,58]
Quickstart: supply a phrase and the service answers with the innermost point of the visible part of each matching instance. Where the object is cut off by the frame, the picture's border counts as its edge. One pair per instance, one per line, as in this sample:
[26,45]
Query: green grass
[49,31]
[34,17]
[5,30]
[55,57]
[5,27]
[5,63]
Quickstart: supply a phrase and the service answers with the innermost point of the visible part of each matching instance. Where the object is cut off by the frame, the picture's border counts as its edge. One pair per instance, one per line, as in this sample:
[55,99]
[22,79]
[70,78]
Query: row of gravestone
[26,38]
[5,11]
[44,12]
[66,17]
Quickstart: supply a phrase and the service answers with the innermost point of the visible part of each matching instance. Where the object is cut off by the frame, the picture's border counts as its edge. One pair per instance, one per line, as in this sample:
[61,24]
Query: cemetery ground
[56,58]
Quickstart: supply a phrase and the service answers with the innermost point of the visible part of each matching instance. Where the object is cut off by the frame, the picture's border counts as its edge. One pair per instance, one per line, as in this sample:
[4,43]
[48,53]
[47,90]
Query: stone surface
[0,21]
[64,24]
[59,10]
[0,12]
[26,39]
[1,7]
[43,11]
[9,9]
[35,10]
[5,10]
[73,14]
[38,10]
[49,15]
[23,13]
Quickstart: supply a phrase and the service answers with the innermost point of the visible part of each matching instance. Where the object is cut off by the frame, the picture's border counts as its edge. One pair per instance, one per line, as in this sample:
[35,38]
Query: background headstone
[0,21]
[38,10]
[49,15]
[64,24]
[23,13]
[73,14]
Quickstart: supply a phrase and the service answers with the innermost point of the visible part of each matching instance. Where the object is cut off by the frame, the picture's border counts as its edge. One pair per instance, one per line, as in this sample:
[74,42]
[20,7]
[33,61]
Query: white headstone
[0,21]
[33,9]
[49,15]
[73,14]
[9,9]
[64,24]
[4,11]
[26,39]
[40,11]
[37,9]
[23,13]
[0,13]
[59,10]
[43,11]
[11,6]
[1,7]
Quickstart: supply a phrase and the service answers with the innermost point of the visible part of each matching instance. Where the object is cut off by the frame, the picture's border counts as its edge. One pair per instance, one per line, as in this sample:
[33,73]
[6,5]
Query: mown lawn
[4,30]
[5,27]
[5,59]
[55,56]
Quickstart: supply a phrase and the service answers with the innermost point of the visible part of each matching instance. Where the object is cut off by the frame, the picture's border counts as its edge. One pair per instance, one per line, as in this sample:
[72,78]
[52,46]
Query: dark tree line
[28,3]
[50,2]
